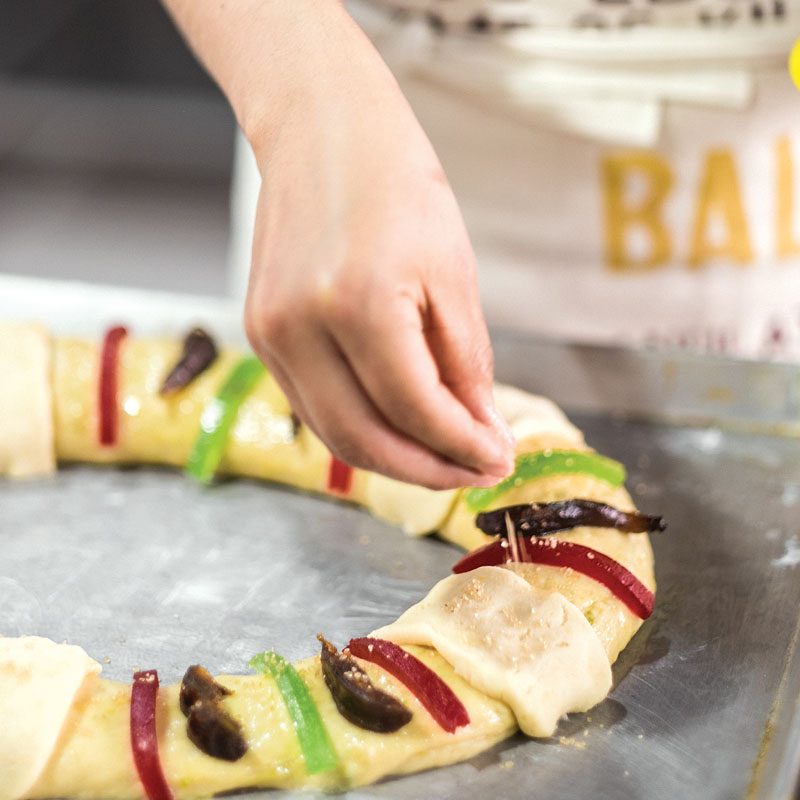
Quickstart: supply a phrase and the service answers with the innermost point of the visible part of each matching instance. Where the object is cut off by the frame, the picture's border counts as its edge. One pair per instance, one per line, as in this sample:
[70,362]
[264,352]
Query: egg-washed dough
[92,759]
[563,628]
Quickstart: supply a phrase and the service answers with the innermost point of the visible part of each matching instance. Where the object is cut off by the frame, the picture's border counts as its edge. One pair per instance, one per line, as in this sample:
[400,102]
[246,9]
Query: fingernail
[495,420]
[500,470]
[505,431]
[486,481]
[501,466]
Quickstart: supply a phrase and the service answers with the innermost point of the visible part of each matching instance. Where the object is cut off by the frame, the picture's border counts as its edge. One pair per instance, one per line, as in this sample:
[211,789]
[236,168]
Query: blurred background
[115,148]
[116,155]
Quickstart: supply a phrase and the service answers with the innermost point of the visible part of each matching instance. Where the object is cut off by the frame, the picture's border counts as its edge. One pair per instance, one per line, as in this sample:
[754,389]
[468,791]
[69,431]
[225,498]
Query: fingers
[389,356]
[337,408]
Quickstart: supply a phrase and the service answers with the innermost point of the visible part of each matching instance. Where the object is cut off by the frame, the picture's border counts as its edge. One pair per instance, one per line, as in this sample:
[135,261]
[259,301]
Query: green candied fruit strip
[317,749]
[549,462]
[218,416]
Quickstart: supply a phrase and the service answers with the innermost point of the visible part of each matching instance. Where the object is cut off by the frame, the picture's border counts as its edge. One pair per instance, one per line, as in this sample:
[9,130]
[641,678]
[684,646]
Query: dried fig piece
[433,692]
[215,732]
[197,685]
[357,699]
[210,727]
[199,353]
[297,423]
[539,519]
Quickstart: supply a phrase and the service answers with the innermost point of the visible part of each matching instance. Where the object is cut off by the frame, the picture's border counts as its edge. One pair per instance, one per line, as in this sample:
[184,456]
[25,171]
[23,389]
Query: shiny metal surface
[146,569]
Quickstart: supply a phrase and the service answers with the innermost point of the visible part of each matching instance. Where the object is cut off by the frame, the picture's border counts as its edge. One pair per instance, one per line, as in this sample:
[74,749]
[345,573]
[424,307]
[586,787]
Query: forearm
[275,58]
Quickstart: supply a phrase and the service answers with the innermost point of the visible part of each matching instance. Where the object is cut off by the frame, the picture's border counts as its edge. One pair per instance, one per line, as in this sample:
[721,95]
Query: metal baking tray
[144,568]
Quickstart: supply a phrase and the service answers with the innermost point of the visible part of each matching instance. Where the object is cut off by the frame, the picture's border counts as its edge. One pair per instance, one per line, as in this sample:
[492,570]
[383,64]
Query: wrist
[269,57]
[318,56]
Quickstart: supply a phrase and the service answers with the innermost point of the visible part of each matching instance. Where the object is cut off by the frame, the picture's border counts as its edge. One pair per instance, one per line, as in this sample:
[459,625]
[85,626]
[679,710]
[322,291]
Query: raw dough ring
[90,754]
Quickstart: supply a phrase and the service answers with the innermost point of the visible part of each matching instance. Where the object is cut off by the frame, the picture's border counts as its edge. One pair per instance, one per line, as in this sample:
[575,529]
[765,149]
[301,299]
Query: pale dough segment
[533,650]
[38,683]
[413,508]
[530,415]
[26,414]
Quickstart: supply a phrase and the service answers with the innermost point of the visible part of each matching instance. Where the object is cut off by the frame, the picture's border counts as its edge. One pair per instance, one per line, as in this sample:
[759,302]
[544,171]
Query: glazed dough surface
[93,757]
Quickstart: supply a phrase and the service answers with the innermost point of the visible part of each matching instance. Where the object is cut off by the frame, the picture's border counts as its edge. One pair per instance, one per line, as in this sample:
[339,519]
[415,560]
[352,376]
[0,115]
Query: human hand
[363,296]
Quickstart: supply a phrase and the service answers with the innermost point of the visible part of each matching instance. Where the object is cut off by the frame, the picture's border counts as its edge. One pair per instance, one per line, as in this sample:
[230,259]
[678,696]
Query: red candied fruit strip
[144,740]
[557,553]
[340,476]
[108,415]
[437,697]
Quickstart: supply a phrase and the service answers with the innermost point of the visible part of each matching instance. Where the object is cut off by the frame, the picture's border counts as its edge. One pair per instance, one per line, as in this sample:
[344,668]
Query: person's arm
[363,293]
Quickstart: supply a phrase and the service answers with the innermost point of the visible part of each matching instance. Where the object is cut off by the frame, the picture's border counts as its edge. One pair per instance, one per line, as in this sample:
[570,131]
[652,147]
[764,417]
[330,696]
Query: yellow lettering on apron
[719,195]
[787,243]
[623,217]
